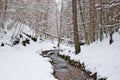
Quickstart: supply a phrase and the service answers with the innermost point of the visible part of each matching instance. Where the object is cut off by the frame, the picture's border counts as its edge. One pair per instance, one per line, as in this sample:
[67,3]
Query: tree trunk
[92,20]
[111,38]
[101,21]
[75,27]
[60,27]
[4,13]
[83,22]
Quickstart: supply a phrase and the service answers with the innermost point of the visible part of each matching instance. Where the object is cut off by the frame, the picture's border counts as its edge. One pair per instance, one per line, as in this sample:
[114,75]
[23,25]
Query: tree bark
[4,13]
[83,21]
[75,27]
[92,20]
[61,22]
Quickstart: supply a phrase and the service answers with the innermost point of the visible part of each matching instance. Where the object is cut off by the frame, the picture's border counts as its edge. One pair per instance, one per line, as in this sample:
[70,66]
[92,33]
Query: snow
[99,57]
[23,63]
[20,62]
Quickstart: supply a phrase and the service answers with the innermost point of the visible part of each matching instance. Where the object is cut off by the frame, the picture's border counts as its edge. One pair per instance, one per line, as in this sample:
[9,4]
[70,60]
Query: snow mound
[23,63]
[100,57]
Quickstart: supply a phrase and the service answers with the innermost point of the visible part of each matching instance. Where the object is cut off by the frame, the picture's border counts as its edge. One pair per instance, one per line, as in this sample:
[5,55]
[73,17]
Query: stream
[63,70]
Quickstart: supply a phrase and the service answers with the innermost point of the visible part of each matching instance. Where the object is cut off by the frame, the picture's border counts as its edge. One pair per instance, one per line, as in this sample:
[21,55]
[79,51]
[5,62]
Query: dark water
[63,70]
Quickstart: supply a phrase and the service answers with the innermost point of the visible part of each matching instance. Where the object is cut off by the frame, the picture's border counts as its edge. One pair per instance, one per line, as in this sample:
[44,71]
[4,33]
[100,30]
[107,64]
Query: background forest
[96,19]
[87,32]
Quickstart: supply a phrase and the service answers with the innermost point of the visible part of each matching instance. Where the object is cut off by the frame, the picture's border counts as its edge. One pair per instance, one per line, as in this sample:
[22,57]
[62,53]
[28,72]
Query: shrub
[26,41]
[21,36]
[34,39]
[2,44]
[17,41]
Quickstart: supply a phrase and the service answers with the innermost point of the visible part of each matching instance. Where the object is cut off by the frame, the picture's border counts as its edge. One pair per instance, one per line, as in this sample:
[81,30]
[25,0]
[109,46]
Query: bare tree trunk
[111,22]
[4,13]
[75,27]
[111,38]
[57,24]
[83,21]
[59,30]
[92,19]
[101,21]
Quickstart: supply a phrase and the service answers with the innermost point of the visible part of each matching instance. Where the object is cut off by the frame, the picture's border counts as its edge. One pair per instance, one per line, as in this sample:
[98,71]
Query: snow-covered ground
[100,57]
[24,63]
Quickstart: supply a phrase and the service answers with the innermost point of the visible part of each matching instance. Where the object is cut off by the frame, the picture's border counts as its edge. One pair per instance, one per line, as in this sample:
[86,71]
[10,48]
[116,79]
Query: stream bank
[63,70]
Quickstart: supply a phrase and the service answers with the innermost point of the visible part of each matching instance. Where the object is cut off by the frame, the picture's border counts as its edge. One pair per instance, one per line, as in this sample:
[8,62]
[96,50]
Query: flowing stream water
[63,70]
